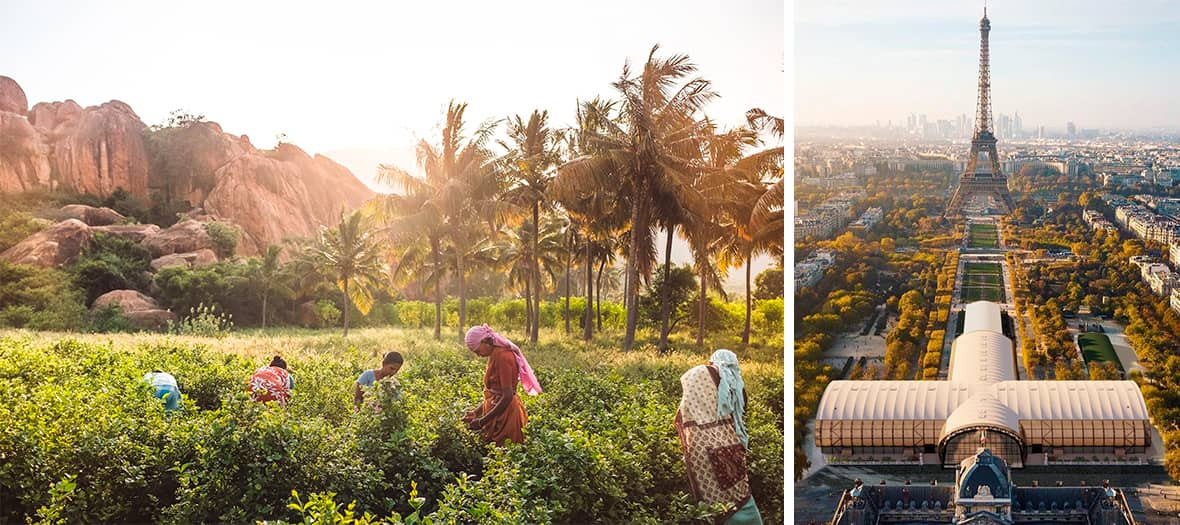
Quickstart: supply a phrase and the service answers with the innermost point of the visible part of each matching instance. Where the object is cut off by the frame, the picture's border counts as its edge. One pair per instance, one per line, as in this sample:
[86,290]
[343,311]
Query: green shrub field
[83,441]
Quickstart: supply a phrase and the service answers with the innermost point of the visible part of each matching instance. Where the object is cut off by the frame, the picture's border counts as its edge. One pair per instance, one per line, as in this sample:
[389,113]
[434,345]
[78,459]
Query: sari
[502,373]
[271,383]
[714,454]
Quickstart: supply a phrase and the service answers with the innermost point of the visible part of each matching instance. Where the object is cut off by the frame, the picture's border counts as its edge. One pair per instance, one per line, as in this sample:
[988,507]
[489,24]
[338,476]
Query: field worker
[501,417]
[272,383]
[712,427]
[390,364]
[165,388]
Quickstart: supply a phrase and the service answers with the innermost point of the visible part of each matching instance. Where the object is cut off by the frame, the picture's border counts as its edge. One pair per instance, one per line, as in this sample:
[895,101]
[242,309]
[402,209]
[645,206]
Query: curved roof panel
[982,357]
[1073,400]
[939,400]
[982,409]
[907,400]
[982,315]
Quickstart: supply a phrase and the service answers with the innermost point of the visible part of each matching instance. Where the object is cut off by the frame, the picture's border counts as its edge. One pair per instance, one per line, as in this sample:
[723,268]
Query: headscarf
[729,392]
[528,380]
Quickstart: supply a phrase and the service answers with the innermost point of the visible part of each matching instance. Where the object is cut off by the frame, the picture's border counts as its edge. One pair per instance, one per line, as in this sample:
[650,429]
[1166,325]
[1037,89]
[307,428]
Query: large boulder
[24,155]
[12,97]
[91,215]
[127,300]
[94,150]
[196,259]
[52,247]
[282,193]
[182,237]
[131,232]
[141,309]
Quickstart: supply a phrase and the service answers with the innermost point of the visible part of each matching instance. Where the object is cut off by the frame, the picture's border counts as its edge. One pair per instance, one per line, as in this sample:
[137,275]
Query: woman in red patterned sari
[272,383]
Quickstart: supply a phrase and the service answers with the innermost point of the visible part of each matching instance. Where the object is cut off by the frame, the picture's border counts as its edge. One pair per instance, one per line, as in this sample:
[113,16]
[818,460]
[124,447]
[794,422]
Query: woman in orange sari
[501,417]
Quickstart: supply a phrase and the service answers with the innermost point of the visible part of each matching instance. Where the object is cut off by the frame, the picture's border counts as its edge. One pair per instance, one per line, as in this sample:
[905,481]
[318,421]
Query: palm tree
[753,215]
[270,279]
[470,194]
[599,211]
[349,253]
[413,219]
[457,194]
[532,154]
[512,250]
[571,242]
[656,124]
[720,153]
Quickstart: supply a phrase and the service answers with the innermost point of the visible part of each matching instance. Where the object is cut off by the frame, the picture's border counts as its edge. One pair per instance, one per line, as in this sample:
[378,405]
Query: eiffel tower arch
[982,176]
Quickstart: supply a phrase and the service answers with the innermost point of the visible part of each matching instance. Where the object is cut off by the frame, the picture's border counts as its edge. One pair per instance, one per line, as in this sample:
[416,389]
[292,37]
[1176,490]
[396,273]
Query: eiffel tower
[982,176]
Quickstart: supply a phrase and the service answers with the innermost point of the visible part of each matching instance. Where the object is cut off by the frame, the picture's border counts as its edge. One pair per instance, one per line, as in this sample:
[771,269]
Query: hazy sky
[363,80]
[1097,63]
[360,82]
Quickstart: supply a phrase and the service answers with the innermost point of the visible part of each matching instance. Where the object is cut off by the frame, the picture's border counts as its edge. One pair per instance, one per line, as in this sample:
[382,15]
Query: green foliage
[223,285]
[681,290]
[769,284]
[39,299]
[327,312]
[111,263]
[110,318]
[16,226]
[204,321]
[224,236]
[600,448]
[126,204]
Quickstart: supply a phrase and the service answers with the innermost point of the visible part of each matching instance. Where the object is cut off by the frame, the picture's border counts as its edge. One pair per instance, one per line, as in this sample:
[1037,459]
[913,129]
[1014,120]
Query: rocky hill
[94,150]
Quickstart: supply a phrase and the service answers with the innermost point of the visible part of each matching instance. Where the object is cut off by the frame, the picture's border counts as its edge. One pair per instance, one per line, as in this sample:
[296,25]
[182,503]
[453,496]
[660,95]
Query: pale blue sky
[365,79]
[1097,63]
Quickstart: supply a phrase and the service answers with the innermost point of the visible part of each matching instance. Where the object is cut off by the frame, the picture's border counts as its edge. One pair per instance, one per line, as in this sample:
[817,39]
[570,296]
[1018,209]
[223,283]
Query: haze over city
[1098,64]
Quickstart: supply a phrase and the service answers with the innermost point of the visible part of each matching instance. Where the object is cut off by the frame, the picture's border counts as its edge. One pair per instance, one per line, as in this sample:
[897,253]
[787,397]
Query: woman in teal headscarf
[712,427]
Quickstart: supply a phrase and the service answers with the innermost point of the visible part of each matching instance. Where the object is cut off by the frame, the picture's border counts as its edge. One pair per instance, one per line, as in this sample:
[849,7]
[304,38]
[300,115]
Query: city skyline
[858,63]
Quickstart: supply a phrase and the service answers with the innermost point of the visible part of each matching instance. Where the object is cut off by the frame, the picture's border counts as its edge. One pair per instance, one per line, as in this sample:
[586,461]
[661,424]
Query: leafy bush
[85,441]
[110,318]
[769,284]
[16,226]
[327,312]
[111,263]
[39,299]
[222,285]
[204,321]
[224,236]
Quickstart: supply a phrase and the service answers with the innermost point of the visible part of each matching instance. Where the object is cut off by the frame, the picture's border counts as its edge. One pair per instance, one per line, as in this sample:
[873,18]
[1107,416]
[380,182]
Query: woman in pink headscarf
[501,417]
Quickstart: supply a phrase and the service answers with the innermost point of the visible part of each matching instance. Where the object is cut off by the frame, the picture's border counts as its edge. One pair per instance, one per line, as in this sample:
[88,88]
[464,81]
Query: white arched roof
[910,400]
[982,357]
[938,400]
[983,409]
[982,315]
[1073,400]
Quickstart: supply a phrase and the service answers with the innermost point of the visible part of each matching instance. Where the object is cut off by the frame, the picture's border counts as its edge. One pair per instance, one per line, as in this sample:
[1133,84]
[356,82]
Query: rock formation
[184,236]
[55,246]
[90,215]
[270,194]
[197,259]
[132,232]
[142,310]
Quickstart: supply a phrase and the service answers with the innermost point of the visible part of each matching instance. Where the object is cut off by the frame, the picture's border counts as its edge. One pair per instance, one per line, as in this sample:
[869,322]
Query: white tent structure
[982,400]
